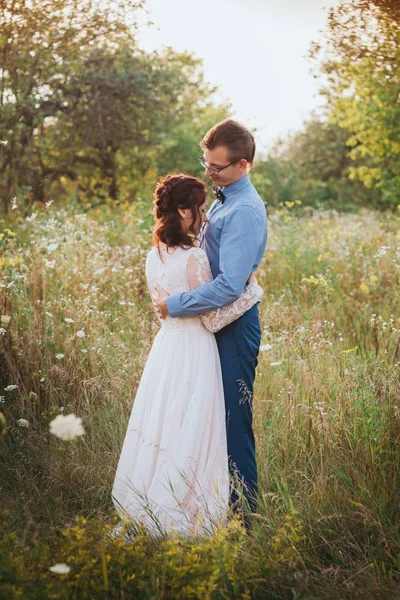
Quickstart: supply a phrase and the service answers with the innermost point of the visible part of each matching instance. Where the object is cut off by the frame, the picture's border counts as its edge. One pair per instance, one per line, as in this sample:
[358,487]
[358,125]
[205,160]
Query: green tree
[41,44]
[312,166]
[85,110]
[360,59]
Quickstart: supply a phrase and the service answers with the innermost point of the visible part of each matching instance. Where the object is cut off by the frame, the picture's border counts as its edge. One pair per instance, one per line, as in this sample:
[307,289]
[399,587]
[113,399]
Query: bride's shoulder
[151,252]
[197,252]
[152,255]
[197,255]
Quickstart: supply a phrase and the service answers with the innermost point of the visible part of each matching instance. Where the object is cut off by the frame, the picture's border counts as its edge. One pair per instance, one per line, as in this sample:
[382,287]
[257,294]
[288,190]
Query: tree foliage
[360,59]
[311,167]
[83,109]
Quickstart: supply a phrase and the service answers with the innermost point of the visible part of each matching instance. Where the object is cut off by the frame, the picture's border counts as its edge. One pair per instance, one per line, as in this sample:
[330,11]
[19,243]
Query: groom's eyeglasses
[214,169]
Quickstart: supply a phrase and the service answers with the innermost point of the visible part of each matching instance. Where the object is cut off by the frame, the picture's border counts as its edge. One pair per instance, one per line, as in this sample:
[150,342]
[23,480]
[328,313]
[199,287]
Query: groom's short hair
[234,136]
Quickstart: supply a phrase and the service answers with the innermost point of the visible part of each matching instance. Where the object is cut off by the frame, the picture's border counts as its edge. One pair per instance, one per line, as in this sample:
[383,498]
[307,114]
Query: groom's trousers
[238,345]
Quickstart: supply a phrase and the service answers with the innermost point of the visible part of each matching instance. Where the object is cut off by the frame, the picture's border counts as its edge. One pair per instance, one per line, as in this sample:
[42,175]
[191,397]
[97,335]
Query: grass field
[76,327]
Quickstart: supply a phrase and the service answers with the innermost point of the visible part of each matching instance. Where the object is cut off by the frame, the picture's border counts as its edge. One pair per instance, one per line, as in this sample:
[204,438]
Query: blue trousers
[238,345]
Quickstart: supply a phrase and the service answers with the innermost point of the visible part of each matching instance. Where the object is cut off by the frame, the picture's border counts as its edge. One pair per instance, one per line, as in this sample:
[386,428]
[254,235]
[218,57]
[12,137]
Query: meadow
[76,326]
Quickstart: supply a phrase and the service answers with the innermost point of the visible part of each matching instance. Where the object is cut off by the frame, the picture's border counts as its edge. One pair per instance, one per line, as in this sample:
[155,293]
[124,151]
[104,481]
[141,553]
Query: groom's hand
[160,302]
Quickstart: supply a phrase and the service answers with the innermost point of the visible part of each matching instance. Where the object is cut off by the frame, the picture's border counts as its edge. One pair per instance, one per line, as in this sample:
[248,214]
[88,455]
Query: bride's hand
[160,303]
[253,278]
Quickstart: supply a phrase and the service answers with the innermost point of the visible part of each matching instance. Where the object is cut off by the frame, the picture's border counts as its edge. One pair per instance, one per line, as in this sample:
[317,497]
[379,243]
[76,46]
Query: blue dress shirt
[234,240]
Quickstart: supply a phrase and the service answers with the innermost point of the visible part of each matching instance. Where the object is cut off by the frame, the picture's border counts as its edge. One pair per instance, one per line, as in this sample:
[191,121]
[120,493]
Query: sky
[254,52]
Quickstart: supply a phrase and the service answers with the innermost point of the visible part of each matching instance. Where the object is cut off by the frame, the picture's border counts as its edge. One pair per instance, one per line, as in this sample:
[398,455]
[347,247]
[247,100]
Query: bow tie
[218,194]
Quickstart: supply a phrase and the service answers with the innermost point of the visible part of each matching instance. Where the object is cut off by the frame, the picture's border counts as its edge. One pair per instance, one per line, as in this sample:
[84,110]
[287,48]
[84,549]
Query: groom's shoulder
[252,199]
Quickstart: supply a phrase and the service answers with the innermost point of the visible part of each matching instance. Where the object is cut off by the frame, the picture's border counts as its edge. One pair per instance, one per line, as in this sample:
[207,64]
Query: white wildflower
[11,387]
[60,568]
[265,347]
[52,246]
[5,319]
[275,364]
[2,331]
[59,356]
[67,427]
[80,333]
[68,320]
[382,251]
[23,423]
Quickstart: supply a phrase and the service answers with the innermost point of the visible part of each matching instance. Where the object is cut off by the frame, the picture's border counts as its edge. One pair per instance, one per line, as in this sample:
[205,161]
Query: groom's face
[217,158]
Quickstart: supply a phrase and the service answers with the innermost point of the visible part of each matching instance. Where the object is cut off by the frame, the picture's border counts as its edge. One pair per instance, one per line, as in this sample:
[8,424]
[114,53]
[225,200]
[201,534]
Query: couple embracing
[188,458]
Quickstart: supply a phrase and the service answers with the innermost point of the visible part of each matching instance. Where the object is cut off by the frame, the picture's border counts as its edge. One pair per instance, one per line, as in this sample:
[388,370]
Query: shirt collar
[238,186]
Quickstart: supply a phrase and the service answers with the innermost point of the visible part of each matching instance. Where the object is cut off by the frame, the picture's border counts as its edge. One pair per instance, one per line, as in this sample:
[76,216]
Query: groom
[234,240]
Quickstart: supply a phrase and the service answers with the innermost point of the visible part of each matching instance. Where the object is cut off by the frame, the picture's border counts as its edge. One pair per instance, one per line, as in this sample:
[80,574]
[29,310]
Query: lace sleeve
[199,272]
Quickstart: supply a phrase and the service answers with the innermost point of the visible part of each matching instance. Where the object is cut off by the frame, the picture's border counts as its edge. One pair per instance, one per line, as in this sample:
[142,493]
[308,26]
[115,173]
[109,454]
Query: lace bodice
[182,269]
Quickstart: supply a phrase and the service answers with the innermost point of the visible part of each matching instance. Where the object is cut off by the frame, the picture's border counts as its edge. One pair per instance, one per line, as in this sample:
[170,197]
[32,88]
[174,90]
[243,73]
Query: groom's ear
[244,164]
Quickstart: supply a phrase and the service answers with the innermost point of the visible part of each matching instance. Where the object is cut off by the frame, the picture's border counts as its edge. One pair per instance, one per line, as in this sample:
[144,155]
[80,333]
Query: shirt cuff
[173,305]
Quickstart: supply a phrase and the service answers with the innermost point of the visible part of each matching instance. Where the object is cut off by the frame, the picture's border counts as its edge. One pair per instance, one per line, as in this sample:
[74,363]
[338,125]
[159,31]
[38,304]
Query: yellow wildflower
[373,279]
[349,350]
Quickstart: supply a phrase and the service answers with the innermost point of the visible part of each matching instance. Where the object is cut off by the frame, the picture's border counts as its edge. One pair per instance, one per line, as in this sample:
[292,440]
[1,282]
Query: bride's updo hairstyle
[173,192]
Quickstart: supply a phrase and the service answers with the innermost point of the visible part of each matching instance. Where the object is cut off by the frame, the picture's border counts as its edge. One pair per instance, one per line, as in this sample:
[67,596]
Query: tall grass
[326,409]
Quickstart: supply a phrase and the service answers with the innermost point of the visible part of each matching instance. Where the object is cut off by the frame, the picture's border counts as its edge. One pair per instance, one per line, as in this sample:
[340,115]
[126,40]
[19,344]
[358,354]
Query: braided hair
[173,192]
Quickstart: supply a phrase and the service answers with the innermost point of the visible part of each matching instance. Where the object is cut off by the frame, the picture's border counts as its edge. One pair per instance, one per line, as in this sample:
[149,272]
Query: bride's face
[201,218]
[187,219]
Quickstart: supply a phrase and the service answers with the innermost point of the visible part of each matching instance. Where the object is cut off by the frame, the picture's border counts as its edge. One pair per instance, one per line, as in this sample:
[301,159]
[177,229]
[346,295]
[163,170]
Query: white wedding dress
[172,474]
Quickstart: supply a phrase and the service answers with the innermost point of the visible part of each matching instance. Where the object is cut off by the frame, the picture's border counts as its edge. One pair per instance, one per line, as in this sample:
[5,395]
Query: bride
[172,474]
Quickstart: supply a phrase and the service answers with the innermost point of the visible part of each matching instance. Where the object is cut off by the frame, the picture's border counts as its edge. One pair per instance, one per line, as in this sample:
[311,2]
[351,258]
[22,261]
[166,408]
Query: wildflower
[2,331]
[80,333]
[9,232]
[67,427]
[59,356]
[68,320]
[349,350]
[11,387]
[275,364]
[52,246]
[60,568]
[23,423]
[5,319]
[265,347]
[382,251]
